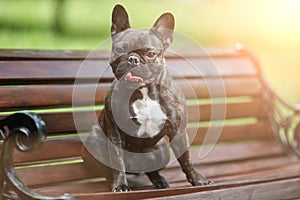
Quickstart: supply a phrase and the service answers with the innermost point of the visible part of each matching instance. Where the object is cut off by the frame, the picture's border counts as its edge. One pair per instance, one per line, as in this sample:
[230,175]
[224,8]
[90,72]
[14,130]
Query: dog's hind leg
[157,180]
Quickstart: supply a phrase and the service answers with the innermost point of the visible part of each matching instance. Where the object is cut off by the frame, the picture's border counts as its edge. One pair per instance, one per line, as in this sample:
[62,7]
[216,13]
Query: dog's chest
[149,115]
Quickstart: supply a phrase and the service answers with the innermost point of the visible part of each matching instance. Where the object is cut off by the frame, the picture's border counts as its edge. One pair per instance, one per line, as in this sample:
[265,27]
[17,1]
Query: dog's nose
[134,59]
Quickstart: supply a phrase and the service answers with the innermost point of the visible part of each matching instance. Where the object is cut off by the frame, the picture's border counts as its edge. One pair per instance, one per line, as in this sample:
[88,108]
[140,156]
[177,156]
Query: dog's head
[138,56]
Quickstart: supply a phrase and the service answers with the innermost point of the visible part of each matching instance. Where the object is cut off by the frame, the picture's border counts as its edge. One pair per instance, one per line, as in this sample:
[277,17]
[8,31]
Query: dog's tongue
[130,77]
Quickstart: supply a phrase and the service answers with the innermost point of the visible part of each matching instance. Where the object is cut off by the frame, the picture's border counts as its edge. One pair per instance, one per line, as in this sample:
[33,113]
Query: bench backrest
[223,88]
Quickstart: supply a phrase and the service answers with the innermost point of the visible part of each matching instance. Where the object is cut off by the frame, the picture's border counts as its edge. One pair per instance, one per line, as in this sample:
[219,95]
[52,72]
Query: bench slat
[232,133]
[53,149]
[21,54]
[220,154]
[215,67]
[43,96]
[217,172]
[284,189]
[177,188]
[68,70]
[58,122]
[70,147]
[55,174]
[51,70]
[221,172]
[226,87]
[274,173]
[233,111]
[84,122]
[20,97]
[64,121]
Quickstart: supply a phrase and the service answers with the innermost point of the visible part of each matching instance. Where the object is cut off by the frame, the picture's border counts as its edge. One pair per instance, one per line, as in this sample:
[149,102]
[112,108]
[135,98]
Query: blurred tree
[59,14]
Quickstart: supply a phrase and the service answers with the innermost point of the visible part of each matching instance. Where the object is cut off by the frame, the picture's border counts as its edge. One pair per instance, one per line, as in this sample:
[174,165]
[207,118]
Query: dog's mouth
[137,79]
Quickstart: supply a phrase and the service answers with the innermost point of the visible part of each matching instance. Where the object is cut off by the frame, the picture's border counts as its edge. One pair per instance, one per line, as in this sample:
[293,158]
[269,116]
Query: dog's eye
[119,49]
[151,54]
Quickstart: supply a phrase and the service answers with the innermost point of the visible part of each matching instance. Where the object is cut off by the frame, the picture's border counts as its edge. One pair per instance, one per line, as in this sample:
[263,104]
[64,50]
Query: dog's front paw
[199,180]
[121,188]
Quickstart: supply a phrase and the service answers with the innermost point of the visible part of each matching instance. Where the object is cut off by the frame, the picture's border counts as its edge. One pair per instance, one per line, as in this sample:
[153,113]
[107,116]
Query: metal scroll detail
[285,121]
[24,131]
[284,117]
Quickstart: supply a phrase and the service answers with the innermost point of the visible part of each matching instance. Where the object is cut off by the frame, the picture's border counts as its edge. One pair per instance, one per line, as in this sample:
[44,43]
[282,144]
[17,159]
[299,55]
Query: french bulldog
[144,111]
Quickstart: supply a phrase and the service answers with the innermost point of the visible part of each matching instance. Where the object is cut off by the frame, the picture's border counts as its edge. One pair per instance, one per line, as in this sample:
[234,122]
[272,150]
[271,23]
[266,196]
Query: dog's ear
[120,20]
[164,28]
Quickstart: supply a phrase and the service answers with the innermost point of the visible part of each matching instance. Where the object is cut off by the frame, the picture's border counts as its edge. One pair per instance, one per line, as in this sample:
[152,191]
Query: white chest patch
[149,114]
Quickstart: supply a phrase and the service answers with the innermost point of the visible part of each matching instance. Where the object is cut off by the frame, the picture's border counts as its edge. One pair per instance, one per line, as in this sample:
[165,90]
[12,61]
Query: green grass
[270,28]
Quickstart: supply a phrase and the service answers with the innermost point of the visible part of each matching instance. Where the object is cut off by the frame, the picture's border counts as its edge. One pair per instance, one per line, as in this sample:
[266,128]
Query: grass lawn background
[270,28]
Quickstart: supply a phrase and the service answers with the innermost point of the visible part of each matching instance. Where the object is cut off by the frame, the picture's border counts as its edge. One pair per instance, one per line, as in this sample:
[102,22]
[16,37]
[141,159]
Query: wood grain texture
[53,149]
[216,88]
[220,111]
[246,162]
[16,72]
[255,188]
[95,70]
[70,147]
[43,96]
[230,133]
[21,54]
[220,154]
[277,190]
[65,121]
[33,96]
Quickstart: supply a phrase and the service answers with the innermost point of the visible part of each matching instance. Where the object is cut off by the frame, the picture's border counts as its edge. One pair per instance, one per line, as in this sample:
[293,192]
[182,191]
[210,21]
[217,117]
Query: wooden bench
[255,156]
